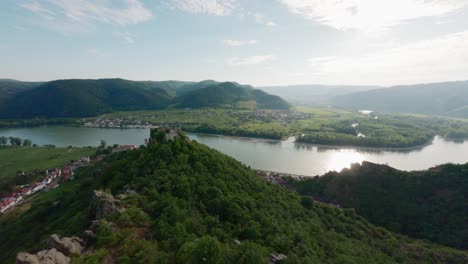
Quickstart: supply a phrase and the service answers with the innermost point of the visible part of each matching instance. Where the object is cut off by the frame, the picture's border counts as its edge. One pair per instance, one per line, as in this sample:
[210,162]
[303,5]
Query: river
[282,156]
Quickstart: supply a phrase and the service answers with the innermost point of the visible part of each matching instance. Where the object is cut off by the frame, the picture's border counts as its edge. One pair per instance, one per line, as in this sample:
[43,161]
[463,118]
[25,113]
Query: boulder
[104,204]
[26,258]
[66,245]
[51,256]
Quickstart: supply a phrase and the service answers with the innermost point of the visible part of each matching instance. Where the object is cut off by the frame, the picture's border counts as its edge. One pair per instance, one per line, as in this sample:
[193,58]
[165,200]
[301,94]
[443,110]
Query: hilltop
[231,95]
[177,201]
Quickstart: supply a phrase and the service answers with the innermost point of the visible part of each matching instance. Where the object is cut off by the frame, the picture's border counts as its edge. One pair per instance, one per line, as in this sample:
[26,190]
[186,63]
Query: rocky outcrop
[104,204]
[66,245]
[26,258]
[51,256]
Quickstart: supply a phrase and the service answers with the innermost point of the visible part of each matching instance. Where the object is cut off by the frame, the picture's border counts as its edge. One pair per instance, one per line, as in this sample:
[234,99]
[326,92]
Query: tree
[3,141]
[103,143]
[15,141]
[27,143]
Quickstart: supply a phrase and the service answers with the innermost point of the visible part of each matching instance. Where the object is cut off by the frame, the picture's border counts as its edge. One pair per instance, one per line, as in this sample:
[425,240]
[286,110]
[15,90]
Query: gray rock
[104,204]
[51,256]
[66,245]
[26,258]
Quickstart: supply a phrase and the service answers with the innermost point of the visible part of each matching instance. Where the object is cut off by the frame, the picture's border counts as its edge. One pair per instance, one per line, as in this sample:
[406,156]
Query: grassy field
[26,159]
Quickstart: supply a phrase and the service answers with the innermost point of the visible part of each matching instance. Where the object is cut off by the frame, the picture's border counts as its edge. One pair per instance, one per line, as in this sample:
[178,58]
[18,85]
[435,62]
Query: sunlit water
[282,156]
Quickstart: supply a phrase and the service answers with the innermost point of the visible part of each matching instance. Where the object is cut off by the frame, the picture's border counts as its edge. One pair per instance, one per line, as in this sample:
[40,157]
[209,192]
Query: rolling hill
[178,201]
[79,98]
[84,98]
[429,204]
[229,94]
[314,94]
[447,99]
[9,88]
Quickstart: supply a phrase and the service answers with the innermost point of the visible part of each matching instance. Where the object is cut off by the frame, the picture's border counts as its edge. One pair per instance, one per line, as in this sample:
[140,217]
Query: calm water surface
[282,156]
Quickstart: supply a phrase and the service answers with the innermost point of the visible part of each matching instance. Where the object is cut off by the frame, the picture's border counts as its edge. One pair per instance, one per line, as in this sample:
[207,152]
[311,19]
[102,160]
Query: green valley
[182,202]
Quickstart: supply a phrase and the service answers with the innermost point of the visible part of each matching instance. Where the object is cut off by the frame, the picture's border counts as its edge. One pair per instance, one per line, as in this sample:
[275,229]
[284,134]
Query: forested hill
[83,98]
[9,88]
[430,204]
[182,202]
[448,98]
[78,98]
[230,94]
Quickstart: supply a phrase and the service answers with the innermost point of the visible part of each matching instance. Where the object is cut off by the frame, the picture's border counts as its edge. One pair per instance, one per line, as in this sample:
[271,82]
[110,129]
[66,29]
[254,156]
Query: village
[53,177]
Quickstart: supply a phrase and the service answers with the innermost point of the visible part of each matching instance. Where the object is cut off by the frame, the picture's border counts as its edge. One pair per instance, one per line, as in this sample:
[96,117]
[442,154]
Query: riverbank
[262,154]
[322,127]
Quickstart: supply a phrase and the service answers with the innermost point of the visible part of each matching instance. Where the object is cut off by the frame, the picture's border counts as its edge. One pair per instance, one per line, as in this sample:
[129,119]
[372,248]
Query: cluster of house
[48,183]
[117,123]
[278,178]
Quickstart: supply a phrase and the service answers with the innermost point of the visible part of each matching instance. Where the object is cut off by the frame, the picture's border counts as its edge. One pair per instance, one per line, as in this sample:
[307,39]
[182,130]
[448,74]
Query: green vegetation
[8,88]
[77,98]
[190,204]
[37,158]
[230,95]
[324,126]
[84,98]
[448,99]
[429,204]
[27,159]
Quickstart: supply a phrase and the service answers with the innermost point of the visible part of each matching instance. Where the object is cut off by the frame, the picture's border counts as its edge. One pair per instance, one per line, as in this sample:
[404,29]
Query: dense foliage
[83,98]
[429,204]
[9,88]
[229,94]
[381,131]
[448,98]
[192,204]
[77,98]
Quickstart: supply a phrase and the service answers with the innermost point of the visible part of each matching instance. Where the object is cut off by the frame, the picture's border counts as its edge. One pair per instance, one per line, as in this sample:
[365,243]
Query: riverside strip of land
[320,126]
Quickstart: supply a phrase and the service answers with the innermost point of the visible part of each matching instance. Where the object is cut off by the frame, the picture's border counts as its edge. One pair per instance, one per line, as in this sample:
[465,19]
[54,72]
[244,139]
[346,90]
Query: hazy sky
[259,42]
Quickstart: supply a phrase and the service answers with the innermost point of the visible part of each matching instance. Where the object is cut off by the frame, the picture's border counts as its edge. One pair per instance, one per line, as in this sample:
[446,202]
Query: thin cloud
[252,60]
[95,52]
[20,28]
[440,58]
[239,43]
[262,19]
[370,15]
[87,11]
[127,37]
[211,7]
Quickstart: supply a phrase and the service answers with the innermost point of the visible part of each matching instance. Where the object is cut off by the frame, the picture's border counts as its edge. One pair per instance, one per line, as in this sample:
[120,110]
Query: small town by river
[270,155]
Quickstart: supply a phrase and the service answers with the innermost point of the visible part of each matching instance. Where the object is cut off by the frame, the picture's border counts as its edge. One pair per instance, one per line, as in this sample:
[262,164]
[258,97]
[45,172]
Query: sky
[257,42]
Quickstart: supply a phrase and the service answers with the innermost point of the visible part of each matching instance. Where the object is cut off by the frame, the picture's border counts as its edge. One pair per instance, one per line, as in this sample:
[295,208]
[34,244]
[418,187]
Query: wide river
[282,156]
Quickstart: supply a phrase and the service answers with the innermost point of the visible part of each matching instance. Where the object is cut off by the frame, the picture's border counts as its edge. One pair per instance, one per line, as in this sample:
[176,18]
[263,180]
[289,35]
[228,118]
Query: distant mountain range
[81,98]
[446,98]
[314,94]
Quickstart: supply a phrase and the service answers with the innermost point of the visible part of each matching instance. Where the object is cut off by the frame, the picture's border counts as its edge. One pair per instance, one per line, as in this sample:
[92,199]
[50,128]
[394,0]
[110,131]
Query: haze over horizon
[328,42]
